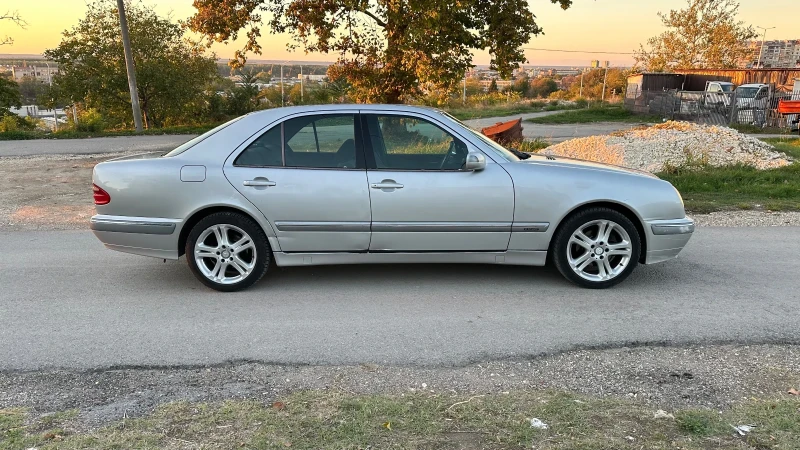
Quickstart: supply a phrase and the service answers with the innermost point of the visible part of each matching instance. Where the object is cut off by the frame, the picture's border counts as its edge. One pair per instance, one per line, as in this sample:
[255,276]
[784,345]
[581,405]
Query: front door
[307,176]
[422,198]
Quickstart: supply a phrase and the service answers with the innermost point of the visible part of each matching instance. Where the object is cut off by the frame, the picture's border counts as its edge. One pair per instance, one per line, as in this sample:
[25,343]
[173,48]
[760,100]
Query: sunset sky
[590,25]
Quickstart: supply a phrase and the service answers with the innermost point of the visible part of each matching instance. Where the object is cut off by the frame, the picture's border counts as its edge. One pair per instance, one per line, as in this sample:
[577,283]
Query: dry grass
[333,419]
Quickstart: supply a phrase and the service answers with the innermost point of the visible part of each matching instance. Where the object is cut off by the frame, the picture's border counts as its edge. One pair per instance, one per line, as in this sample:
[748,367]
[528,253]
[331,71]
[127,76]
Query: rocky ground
[715,377]
[656,147]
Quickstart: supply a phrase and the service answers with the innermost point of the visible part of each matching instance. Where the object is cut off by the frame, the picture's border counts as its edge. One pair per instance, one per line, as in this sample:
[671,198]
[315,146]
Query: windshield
[727,88]
[498,149]
[187,145]
[747,92]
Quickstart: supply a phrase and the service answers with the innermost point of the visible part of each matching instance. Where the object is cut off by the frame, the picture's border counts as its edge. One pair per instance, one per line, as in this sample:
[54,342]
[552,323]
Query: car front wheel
[597,248]
[227,251]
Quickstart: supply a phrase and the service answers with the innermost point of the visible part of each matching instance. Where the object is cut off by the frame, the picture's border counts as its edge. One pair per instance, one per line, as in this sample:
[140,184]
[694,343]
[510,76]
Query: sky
[589,25]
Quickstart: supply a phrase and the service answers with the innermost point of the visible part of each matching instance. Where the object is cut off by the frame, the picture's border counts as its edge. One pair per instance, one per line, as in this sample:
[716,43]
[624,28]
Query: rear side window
[325,141]
[264,151]
[318,141]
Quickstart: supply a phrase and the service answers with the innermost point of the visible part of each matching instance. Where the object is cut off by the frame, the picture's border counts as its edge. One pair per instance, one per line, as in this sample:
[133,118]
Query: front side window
[412,143]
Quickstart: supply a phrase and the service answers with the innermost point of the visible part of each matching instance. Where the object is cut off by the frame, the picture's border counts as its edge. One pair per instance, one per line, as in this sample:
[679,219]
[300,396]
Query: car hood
[561,161]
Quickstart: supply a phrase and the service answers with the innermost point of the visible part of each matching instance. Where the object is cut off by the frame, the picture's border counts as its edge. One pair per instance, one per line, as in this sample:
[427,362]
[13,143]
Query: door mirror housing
[475,161]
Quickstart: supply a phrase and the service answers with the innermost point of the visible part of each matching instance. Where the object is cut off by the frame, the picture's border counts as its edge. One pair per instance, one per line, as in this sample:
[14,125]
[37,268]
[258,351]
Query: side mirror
[475,161]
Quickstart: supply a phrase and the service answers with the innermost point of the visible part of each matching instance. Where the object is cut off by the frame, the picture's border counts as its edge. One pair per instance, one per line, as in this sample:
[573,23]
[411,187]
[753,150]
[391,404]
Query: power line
[574,51]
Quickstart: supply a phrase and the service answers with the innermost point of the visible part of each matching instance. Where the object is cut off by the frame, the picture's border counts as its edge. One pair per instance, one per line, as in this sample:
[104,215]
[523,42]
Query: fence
[726,108]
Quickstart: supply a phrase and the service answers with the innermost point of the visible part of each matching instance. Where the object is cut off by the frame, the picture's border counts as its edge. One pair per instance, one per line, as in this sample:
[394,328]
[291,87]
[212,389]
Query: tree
[705,34]
[11,16]
[543,87]
[493,86]
[30,88]
[9,95]
[172,72]
[388,49]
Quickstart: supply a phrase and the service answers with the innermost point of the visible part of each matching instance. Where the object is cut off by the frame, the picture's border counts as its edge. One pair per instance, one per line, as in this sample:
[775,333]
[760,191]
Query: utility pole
[605,77]
[301,83]
[126,44]
[580,93]
[281,84]
[464,94]
[50,81]
[758,64]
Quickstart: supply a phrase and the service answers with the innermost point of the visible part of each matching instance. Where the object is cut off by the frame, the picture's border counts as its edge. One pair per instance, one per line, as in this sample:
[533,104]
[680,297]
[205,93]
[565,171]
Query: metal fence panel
[711,108]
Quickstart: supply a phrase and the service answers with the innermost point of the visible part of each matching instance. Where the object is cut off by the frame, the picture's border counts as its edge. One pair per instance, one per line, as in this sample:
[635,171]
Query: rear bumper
[666,238]
[144,236]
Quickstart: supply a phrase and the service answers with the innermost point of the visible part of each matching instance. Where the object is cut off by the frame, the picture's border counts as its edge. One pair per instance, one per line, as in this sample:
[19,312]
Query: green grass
[595,114]
[752,129]
[790,146]
[480,112]
[71,134]
[331,419]
[532,145]
[706,189]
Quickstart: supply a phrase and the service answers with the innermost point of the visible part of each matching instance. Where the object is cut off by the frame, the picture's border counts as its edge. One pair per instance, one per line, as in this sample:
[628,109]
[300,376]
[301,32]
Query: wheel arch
[621,208]
[200,214]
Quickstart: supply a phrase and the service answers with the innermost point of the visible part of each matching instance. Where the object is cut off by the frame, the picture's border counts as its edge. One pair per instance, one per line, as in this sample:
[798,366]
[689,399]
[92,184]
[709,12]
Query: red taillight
[101,197]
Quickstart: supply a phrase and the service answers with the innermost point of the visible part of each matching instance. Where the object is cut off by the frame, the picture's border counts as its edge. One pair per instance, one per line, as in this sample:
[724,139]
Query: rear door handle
[259,182]
[386,184]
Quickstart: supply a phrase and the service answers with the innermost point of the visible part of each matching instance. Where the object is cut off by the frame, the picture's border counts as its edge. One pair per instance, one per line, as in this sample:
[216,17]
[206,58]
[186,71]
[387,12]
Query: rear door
[422,199]
[307,175]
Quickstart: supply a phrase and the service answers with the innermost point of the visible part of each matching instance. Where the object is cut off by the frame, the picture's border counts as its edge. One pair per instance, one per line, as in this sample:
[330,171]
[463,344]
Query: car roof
[753,85]
[287,110]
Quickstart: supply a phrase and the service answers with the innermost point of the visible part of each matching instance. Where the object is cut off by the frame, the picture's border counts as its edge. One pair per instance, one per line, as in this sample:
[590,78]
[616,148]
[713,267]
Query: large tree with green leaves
[388,50]
[706,33]
[171,71]
[9,95]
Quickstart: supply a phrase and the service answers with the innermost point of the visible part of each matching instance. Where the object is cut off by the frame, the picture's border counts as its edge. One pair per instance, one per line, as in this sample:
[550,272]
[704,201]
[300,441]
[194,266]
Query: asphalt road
[67,302]
[152,143]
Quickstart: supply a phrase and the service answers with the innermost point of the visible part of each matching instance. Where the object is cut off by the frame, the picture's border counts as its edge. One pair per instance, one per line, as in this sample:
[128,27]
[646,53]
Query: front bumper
[666,238]
[144,236]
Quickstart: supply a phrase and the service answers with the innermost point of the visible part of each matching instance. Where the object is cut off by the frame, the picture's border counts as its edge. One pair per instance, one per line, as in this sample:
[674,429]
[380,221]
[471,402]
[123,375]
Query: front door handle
[386,185]
[259,182]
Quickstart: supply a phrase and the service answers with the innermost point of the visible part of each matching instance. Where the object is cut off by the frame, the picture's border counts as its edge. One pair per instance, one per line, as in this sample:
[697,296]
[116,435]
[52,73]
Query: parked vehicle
[718,93]
[751,104]
[341,184]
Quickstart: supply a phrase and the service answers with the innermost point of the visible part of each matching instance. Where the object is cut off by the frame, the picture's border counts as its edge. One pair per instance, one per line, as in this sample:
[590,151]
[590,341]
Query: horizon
[639,20]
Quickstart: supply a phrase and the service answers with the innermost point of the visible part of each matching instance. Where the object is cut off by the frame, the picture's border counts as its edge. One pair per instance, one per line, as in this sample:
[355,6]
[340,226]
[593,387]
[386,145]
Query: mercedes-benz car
[363,184]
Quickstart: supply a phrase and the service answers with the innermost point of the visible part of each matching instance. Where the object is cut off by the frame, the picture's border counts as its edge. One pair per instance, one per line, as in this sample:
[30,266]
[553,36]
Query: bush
[11,123]
[90,121]
[581,102]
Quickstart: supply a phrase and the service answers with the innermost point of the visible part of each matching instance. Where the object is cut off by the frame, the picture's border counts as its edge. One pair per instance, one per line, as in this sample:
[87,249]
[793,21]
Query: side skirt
[520,258]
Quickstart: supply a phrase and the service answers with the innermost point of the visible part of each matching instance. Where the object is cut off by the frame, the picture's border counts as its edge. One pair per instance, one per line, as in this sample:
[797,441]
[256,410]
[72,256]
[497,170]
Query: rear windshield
[727,88]
[747,92]
[187,145]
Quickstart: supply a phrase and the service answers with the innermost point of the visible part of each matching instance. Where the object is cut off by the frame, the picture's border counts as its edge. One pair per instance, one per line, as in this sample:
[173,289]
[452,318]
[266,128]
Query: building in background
[775,54]
[40,73]
[318,78]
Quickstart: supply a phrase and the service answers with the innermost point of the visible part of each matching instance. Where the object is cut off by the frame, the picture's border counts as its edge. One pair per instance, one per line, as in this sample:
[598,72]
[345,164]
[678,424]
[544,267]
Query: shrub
[90,121]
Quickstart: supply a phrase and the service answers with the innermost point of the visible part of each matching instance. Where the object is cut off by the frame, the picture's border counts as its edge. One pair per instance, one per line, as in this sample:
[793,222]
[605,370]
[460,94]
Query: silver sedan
[361,184]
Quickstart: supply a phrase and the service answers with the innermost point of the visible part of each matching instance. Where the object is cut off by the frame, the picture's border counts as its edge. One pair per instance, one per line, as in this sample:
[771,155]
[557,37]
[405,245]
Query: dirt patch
[47,192]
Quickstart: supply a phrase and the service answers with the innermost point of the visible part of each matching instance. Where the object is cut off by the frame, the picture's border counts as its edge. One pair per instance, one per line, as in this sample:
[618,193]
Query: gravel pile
[673,144]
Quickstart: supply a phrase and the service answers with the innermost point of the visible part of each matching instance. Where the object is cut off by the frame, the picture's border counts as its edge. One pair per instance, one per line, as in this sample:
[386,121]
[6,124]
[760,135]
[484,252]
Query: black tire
[561,245]
[263,252]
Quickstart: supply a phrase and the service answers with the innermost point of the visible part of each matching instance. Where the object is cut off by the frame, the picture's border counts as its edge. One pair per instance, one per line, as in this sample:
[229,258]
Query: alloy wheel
[599,250]
[225,254]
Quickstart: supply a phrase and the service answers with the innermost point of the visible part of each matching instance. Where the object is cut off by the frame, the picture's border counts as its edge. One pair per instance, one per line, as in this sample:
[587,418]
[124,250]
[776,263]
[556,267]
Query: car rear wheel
[597,248]
[227,251]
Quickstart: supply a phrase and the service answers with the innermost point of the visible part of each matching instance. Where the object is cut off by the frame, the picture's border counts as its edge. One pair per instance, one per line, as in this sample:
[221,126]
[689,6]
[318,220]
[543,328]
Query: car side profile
[361,184]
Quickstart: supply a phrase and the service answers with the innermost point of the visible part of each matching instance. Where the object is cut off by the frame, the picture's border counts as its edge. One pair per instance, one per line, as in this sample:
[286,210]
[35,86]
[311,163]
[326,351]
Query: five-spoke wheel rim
[599,250]
[225,254]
